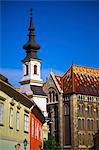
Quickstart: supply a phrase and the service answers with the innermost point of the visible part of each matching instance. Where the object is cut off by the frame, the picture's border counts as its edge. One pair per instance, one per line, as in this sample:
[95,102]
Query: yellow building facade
[14,118]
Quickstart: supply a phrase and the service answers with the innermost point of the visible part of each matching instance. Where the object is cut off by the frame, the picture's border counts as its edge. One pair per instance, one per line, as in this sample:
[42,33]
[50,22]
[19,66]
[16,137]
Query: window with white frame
[26,123]
[32,127]
[17,120]
[1,112]
[11,118]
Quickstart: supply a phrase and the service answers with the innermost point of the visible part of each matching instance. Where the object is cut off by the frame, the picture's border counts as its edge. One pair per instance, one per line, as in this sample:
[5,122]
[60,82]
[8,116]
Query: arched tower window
[26,70]
[35,69]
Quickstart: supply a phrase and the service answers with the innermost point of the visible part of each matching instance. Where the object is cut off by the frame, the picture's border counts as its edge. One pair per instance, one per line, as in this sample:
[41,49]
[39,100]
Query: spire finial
[72,62]
[30,12]
[31,27]
[31,46]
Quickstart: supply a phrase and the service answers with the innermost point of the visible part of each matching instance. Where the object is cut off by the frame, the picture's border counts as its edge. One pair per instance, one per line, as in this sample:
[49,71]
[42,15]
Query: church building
[73,106]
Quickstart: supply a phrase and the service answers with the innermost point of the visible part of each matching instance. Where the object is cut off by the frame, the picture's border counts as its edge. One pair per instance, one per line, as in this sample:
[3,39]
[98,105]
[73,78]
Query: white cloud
[15,75]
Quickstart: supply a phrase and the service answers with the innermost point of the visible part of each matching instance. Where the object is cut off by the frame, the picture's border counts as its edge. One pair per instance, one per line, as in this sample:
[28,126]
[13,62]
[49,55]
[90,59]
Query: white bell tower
[31,70]
[31,63]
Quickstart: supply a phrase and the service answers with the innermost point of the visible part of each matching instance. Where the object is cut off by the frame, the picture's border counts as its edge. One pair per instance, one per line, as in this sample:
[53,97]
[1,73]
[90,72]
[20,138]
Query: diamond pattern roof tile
[79,79]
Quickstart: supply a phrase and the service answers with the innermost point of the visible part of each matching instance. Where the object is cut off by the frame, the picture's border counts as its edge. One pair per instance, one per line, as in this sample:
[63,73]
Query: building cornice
[30,81]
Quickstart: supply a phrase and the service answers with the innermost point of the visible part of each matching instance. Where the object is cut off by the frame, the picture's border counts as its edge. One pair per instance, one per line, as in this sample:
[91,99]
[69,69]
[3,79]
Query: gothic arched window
[83,124]
[66,109]
[53,95]
[35,69]
[79,124]
[91,110]
[88,124]
[49,96]
[88,111]
[82,110]
[79,110]
[92,124]
[56,97]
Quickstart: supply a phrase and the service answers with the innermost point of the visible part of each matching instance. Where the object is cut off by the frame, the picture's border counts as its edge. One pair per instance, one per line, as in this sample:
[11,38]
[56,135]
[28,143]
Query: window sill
[25,74]
[1,124]
[26,132]
[11,127]
[2,98]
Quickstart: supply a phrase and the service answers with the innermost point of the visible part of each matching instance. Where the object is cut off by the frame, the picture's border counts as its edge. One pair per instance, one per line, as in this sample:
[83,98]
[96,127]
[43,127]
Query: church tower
[31,83]
[31,63]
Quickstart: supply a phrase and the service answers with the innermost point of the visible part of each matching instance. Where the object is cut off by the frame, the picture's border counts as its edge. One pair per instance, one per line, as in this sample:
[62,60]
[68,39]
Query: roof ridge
[86,67]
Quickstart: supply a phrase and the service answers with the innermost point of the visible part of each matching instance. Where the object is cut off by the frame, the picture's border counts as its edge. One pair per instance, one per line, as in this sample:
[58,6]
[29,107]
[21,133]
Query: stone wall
[74,122]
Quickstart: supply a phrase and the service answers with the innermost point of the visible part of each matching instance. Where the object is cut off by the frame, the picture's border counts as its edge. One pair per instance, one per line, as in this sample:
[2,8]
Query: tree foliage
[51,144]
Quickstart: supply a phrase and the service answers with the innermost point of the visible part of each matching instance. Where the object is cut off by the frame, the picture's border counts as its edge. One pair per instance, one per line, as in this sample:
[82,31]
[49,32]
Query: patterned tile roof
[59,80]
[79,79]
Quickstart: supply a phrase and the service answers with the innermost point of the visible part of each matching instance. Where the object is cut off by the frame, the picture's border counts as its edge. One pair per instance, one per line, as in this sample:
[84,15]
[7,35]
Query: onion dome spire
[31,46]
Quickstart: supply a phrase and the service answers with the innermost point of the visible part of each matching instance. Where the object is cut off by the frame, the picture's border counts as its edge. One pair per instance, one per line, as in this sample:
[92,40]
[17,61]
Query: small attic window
[35,69]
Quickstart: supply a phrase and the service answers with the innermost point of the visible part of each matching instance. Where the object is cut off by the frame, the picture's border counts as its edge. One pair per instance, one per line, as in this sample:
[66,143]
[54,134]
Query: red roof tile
[79,79]
[59,80]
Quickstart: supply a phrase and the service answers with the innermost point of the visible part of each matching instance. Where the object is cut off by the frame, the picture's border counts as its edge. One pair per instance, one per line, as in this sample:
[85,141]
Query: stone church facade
[73,107]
